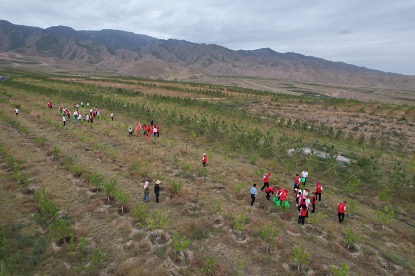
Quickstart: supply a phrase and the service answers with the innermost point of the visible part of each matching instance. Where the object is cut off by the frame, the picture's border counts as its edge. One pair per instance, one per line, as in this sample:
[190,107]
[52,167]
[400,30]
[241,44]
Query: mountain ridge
[121,51]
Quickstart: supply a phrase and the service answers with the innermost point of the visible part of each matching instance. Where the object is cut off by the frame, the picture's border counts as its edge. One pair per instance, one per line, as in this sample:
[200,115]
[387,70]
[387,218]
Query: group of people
[148,130]
[303,197]
[93,113]
[281,194]
[147,191]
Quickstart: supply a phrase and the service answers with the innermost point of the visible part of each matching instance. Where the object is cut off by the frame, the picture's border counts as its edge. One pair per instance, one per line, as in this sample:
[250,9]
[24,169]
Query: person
[112,116]
[298,199]
[283,197]
[79,117]
[82,104]
[307,204]
[157,190]
[305,193]
[341,207]
[253,194]
[17,112]
[302,215]
[313,202]
[269,191]
[155,131]
[151,122]
[91,118]
[146,192]
[90,111]
[130,131]
[304,175]
[144,128]
[297,181]
[319,189]
[64,120]
[266,180]
[204,159]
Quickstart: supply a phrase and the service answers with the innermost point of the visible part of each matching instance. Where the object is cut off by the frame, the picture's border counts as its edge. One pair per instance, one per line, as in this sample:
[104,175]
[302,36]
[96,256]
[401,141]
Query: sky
[376,34]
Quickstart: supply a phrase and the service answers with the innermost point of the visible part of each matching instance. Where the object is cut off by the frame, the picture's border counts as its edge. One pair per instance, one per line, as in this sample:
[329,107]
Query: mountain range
[127,53]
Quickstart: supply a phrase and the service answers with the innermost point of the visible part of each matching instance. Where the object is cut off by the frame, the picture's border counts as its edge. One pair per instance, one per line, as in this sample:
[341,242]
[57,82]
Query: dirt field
[211,208]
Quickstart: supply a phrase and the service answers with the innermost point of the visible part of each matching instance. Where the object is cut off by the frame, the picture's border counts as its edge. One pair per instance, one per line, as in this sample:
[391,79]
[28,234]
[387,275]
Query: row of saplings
[155,221]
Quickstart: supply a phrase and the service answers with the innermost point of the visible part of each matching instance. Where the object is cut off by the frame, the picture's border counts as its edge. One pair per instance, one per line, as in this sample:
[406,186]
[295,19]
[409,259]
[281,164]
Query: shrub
[175,187]
[180,243]
[351,238]
[209,266]
[299,257]
[240,222]
[47,208]
[385,215]
[343,270]
[60,229]
[140,212]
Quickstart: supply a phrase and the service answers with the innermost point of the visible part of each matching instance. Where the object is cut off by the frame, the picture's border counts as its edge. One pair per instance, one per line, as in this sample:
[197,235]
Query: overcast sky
[377,34]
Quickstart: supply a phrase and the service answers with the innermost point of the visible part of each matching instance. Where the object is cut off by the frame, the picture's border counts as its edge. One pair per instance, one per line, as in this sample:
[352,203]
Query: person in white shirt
[17,112]
[112,116]
[155,131]
[307,203]
[79,117]
[64,120]
[304,175]
[253,193]
[130,131]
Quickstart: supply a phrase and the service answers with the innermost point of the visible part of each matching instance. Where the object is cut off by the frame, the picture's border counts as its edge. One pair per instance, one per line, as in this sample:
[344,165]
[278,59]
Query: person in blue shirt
[253,194]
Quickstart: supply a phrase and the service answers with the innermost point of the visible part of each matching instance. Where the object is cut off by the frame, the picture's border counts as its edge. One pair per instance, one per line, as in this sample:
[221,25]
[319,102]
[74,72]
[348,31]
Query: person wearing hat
[146,191]
[341,207]
[204,160]
[157,190]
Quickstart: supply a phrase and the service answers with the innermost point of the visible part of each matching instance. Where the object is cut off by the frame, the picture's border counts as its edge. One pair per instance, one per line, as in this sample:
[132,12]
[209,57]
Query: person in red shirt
[341,207]
[266,180]
[279,193]
[269,191]
[297,182]
[302,214]
[204,160]
[319,189]
[313,202]
[283,197]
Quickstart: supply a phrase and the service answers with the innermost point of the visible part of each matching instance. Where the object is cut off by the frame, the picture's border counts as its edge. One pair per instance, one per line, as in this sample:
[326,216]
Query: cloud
[377,34]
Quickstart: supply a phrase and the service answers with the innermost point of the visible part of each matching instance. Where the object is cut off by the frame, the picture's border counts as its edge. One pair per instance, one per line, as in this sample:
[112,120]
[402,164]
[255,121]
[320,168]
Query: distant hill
[127,53]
